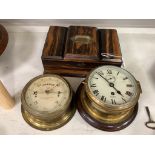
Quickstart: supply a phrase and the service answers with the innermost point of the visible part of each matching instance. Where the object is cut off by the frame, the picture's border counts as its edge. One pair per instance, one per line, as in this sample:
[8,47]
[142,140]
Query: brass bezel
[102,105]
[103,116]
[48,124]
[45,120]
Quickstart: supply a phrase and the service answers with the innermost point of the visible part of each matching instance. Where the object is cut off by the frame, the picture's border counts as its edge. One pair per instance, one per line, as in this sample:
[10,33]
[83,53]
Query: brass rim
[110,118]
[48,125]
[97,102]
[36,113]
[49,121]
[103,125]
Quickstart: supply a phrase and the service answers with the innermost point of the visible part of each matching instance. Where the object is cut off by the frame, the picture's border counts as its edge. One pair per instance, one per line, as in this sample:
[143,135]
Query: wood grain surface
[73,68]
[74,51]
[55,42]
[3,39]
[82,43]
[109,44]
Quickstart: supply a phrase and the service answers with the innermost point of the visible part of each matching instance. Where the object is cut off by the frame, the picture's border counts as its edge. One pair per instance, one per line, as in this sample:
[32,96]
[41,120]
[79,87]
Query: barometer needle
[50,91]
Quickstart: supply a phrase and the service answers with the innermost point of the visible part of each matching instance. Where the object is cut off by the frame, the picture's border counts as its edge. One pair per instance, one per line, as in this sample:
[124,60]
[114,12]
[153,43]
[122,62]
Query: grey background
[136,23]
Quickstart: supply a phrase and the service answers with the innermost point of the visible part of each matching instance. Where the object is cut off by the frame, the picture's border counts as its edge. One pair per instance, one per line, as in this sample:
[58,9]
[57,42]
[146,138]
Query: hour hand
[118,92]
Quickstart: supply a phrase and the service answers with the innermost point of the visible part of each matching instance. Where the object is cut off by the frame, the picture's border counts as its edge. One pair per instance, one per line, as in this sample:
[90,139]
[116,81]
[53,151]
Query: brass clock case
[44,120]
[101,115]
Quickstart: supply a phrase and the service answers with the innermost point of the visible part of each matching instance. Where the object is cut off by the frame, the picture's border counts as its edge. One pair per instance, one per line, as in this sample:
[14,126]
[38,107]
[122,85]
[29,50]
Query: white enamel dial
[112,85]
[47,94]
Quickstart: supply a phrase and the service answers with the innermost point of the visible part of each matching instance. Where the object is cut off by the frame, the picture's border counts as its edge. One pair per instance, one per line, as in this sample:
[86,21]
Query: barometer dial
[47,94]
[47,102]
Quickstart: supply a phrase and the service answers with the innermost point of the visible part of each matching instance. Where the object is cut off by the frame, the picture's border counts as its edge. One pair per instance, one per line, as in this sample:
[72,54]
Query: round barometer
[47,102]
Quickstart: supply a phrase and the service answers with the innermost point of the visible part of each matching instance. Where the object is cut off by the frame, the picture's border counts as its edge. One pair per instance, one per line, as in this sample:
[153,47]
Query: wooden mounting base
[100,125]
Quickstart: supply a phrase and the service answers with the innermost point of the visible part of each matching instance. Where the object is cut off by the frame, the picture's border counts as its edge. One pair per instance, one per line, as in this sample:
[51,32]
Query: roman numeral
[103,98]
[100,72]
[95,77]
[93,85]
[96,92]
[113,101]
[129,85]
[125,78]
[117,73]
[109,71]
[128,93]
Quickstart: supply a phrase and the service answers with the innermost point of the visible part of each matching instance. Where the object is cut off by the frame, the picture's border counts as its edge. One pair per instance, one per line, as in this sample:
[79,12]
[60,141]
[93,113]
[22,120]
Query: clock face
[47,94]
[112,85]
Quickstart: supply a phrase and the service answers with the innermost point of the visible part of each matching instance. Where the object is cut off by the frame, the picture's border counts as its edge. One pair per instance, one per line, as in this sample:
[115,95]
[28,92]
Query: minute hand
[110,84]
[103,77]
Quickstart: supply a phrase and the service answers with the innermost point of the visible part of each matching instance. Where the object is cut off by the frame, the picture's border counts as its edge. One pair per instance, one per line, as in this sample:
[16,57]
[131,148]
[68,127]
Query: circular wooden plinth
[100,125]
[3,39]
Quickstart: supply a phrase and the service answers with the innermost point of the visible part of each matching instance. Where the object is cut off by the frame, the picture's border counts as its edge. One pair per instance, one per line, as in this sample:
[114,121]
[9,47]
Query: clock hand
[110,84]
[109,79]
[118,92]
[103,77]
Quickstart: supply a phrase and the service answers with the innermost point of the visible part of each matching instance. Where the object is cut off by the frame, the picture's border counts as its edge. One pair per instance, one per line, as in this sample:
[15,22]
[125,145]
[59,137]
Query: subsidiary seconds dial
[112,85]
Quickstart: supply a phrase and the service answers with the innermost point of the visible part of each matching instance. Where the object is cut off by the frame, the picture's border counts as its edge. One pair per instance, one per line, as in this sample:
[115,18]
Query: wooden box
[75,50]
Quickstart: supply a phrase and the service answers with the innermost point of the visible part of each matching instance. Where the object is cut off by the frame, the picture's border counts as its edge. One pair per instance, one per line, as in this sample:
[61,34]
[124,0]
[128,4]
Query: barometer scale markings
[59,92]
[35,102]
[58,103]
[129,85]
[35,93]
